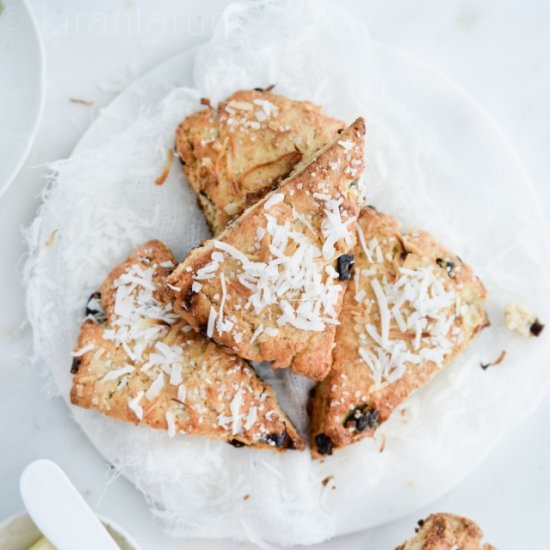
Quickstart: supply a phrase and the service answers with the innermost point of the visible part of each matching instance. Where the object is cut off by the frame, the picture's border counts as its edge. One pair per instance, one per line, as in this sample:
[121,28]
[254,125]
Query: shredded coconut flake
[334,228]
[196,287]
[232,251]
[155,388]
[257,333]
[211,322]
[182,393]
[83,350]
[235,408]
[384,311]
[276,198]
[117,373]
[364,243]
[346,144]
[135,406]
[171,423]
[251,418]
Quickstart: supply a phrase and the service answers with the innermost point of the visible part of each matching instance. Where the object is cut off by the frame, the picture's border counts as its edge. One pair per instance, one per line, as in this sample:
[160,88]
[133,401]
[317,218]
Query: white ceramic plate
[473,141]
[21,88]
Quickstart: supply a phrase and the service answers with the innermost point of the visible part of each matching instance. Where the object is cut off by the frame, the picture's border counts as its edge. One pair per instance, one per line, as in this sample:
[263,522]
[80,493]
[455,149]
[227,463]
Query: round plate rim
[40,105]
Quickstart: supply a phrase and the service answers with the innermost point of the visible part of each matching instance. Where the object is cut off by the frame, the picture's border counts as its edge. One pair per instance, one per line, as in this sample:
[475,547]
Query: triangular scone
[143,364]
[412,307]
[270,287]
[446,532]
[235,154]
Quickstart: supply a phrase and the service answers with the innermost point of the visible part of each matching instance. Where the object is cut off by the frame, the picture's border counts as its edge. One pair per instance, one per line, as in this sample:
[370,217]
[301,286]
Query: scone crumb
[85,102]
[246,497]
[325,481]
[164,175]
[536,328]
[494,363]
[522,321]
[51,239]
[267,89]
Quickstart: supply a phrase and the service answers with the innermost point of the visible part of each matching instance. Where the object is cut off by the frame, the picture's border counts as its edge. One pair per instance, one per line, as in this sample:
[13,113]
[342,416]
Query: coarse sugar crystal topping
[246,116]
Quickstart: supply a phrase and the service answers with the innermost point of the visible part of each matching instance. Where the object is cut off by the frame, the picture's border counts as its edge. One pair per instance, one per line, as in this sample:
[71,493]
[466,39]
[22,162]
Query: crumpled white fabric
[102,203]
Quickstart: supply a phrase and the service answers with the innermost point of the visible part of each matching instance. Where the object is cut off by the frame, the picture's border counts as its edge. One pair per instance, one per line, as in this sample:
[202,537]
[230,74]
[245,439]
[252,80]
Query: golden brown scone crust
[446,532]
[299,205]
[222,397]
[348,406]
[235,154]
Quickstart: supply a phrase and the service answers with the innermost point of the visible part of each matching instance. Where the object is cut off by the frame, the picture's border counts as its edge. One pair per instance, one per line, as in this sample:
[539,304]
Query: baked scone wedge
[235,154]
[270,287]
[446,532]
[412,307]
[143,364]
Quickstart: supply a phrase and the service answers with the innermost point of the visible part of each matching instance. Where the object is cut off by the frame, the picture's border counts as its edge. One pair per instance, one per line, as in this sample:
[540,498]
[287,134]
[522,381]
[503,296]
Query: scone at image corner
[236,153]
[270,287]
[138,362]
[446,532]
[411,307]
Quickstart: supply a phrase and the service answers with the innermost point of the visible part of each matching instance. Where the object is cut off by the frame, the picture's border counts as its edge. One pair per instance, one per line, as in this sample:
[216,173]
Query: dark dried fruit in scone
[345,266]
[75,365]
[277,439]
[324,444]
[447,265]
[362,417]
[94,308]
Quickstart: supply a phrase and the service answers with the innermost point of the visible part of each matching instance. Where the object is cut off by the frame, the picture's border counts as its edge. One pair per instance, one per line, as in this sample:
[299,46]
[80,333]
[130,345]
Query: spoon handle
[59,510]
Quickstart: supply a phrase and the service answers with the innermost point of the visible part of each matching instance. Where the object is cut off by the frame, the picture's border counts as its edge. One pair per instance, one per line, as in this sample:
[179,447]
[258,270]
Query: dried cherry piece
[536,328]
[94,307]
[75,365]
[277,439]
[363,417]
[344,266]
[324,444]
[446,265]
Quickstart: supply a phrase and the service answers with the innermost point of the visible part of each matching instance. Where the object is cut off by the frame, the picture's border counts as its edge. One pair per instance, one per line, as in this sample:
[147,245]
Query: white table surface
[497,50]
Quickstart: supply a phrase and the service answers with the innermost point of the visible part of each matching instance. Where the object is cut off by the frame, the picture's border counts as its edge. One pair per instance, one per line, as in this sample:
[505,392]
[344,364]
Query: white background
[499,51]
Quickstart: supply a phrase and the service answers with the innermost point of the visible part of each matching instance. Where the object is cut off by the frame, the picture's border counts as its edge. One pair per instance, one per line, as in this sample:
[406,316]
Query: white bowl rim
[105,520]
[32,135]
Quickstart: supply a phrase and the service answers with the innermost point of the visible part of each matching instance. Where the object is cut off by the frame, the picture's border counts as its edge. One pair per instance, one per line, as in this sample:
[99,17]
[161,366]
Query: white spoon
[59,510]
